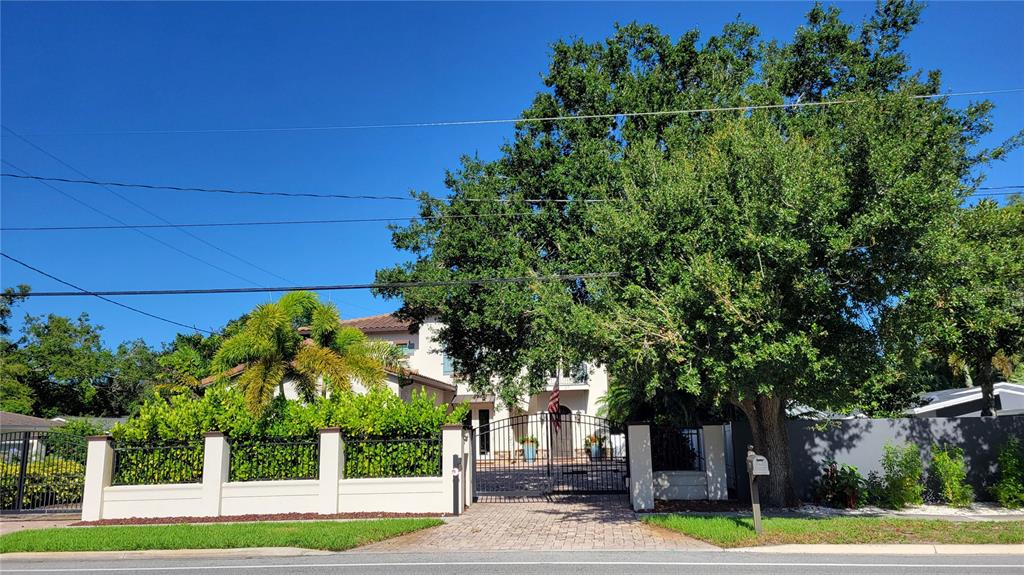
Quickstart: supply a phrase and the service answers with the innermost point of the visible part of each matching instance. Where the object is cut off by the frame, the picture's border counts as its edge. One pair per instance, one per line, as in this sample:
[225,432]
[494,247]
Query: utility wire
[83,291]
[520,119]
[335,287]
[259,193]
[157,216]
[265,223]
[144,233]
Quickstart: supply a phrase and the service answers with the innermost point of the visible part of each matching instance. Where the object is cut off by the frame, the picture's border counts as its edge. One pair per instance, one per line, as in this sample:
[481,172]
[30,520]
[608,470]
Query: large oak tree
[757,250]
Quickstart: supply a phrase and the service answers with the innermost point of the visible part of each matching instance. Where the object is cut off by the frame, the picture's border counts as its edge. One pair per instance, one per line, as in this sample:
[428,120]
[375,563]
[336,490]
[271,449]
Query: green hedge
[393,458]
[376,415]
[51,481]
[154,464]
[267,460]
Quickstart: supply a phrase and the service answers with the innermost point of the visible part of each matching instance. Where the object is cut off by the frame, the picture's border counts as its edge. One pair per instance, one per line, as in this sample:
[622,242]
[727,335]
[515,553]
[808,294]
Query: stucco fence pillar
[99,469]
[641,474]
[453,466]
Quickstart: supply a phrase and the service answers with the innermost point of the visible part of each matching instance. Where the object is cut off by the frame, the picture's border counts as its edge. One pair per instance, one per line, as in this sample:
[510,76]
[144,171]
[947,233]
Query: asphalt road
[576,563]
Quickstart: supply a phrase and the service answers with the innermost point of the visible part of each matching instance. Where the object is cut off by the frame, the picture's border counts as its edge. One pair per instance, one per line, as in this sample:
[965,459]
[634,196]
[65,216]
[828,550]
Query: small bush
[1009,487]
[949,472]
[839,486]
[51,481]
[903,470]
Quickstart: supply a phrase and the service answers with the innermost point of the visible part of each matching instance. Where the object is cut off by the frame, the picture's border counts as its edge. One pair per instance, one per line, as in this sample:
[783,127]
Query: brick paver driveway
[548,523]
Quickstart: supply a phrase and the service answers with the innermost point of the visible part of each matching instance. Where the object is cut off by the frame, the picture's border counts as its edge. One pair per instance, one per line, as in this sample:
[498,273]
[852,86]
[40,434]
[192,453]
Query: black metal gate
[538,454]
[41,472]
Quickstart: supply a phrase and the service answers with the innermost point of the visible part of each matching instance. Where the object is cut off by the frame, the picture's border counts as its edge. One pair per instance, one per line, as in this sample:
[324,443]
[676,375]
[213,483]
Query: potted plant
[594,443]
[529,444]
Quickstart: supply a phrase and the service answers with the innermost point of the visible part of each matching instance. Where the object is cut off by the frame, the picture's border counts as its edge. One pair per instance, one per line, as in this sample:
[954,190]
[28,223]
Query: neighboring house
[1008,398]
[15,422]
[105,422]
[579,390]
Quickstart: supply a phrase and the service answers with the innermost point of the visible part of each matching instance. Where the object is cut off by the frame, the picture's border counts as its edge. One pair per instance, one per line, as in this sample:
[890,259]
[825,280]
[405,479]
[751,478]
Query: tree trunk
[767,418]
[984,378]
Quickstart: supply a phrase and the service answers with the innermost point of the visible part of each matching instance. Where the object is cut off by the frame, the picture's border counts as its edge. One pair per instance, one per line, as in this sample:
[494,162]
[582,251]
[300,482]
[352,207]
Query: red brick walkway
[569,523]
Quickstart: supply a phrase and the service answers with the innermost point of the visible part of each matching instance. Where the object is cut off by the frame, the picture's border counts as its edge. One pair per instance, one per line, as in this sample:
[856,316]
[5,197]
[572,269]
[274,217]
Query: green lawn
[328,535]
[739,532]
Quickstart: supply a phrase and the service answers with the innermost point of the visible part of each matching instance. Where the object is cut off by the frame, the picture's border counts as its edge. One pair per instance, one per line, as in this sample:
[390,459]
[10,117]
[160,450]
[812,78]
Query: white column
[330,470]
[641,474]
[216,465]
[451,448]
[469,466]
[99,468]
[714,461]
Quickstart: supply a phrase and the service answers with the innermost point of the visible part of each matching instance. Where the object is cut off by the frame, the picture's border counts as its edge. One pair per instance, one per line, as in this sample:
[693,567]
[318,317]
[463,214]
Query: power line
[335,287]
[261,193]
[518,119]
[264,223]
[148,235]
[27,176]
[83,291]
[157,216]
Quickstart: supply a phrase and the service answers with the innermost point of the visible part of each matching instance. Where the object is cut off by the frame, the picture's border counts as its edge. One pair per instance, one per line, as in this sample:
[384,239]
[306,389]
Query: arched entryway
[537,454]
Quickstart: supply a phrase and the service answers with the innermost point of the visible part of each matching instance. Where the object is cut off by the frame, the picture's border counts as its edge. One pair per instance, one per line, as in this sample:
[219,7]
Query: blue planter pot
[529,452]
[595,451]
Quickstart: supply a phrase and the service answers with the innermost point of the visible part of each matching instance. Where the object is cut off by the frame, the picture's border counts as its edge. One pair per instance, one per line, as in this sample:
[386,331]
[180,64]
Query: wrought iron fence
[274,459]
[156,463]
[41,471]
[410,457]
[677,449]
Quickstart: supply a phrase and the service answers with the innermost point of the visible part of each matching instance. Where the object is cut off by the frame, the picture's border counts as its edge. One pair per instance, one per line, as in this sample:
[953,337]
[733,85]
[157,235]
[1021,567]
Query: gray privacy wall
[859,442]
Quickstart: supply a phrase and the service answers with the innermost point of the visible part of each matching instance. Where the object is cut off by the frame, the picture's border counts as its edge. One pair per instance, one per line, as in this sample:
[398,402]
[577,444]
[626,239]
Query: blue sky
[109,67]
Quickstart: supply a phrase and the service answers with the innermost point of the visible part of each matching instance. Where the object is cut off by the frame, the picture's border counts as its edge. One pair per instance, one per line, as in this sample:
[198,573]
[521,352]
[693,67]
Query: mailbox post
[757,466]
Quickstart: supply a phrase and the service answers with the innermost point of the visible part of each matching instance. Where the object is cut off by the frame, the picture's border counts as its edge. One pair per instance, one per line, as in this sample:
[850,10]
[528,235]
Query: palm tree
[327,359]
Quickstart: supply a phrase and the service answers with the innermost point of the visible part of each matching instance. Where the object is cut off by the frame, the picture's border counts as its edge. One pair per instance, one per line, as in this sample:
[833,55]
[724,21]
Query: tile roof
[378,323]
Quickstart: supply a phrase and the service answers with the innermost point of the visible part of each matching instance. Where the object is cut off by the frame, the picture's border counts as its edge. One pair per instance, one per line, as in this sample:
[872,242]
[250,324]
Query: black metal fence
[41,471]
[275,459]
[677,449]
[393,457]
[153,464]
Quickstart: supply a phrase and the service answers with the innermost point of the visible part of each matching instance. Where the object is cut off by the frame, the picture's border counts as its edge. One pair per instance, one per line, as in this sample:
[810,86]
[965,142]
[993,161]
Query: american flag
[554,408]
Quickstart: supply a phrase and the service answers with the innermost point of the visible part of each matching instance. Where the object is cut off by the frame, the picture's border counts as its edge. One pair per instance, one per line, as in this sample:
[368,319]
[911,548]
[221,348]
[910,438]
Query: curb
[240,553]
[887,549]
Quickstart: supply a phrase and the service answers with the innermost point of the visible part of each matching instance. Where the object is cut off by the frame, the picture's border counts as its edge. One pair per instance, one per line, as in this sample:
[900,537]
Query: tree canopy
[757,251]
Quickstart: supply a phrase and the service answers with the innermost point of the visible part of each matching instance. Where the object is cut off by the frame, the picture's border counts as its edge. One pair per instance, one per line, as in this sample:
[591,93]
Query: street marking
[248,567]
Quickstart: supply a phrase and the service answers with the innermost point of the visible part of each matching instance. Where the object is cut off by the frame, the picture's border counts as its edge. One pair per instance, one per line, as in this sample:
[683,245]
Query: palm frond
[298,306]
[347,337]
[389,355]
[325,324]
[258,382]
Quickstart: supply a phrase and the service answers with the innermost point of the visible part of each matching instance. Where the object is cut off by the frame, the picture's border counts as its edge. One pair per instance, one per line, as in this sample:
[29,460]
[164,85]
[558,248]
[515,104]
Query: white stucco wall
[126,501]
[247,497]
[401,495]
[680,485]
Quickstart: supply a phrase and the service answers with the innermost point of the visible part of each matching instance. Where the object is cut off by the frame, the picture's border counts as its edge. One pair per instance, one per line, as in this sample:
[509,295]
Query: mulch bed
[251,518]
[703,506]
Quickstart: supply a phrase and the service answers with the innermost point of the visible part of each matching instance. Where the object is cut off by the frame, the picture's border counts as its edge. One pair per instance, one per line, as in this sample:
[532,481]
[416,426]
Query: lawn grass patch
[326,535]
[739,531]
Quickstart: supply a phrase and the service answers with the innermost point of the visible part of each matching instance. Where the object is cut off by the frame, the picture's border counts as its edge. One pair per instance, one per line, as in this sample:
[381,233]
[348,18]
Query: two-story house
[580,388]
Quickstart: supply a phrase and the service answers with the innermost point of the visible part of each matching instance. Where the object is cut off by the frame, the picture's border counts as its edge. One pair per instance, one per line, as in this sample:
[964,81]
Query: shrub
[379,414]
[68,440]
[949,472]
[839,486]
[50,481]
[903,470]
[1009,487]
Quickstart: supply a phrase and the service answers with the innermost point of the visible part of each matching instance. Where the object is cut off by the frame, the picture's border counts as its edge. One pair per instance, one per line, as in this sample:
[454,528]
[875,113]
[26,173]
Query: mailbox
[757,465]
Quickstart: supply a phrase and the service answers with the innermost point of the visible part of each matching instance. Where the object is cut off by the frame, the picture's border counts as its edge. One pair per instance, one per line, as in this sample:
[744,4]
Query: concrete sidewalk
[12,523]
[886,549]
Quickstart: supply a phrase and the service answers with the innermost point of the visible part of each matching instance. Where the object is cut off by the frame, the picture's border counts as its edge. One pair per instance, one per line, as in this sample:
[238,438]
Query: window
[446,365]
[408,347]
